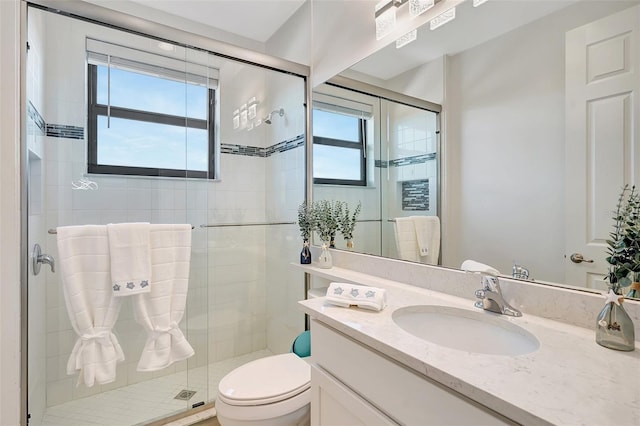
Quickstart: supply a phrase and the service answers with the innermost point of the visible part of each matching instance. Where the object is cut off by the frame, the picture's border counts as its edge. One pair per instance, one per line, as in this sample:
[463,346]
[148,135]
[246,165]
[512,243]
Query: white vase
[325,261]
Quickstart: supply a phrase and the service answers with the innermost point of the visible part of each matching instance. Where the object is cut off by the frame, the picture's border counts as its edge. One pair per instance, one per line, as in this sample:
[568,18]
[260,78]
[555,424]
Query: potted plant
[614,328]
[305,223]
[325,223]
[325,219]
[347,222]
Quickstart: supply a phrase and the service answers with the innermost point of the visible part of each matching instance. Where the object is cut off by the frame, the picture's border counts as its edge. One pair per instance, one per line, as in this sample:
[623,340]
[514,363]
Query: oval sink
[465,330]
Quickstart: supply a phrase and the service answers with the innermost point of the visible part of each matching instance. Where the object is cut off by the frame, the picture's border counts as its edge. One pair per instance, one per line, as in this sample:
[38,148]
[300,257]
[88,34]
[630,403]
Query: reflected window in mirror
[339,147]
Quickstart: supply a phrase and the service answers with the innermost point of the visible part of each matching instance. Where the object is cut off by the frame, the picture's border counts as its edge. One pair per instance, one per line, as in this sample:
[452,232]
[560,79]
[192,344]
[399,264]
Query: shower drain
[185,395]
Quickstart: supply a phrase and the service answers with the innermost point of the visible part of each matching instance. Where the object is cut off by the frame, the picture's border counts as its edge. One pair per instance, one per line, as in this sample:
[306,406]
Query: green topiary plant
[347,221]
[624,246]
[325,221]
[305,220]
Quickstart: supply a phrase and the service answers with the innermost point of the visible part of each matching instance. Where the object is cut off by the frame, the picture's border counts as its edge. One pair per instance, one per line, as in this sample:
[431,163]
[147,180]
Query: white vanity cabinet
[353,384]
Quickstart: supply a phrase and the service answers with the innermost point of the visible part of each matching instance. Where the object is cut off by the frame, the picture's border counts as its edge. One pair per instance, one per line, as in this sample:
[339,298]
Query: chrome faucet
[491,298]
[520,272]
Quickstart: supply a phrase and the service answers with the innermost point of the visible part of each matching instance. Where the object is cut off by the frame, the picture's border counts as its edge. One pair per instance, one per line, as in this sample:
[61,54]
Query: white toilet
[271,391]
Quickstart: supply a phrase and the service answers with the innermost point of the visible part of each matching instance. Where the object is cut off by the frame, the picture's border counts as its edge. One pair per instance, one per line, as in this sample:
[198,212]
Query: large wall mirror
[530,159]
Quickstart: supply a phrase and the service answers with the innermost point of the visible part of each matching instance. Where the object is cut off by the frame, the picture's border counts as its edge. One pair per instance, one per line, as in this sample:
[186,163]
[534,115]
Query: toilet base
[295,411]
[300,417]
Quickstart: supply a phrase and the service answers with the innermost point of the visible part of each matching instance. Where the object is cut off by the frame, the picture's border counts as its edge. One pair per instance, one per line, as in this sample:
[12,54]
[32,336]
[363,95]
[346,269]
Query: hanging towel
[406,241]
[130,258]
[83,256]
[346,295]
[428,238]
[473,266]
[160,310]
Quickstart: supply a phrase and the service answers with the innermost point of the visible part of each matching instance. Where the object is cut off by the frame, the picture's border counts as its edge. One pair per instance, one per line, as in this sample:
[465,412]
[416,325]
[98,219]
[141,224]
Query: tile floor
[143,402]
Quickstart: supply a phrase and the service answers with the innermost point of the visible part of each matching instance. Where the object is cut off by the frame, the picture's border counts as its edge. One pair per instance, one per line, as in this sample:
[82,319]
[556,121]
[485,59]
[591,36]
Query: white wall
[10,214]
[293,40]
[155,15]
[423,82]
[504,150]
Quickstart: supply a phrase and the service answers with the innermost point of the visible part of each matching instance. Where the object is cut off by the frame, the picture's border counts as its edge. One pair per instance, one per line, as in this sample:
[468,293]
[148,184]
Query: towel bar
[54,232]
[223,225]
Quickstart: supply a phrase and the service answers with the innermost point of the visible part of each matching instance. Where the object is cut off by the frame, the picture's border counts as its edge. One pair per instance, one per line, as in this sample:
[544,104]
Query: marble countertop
[569,380]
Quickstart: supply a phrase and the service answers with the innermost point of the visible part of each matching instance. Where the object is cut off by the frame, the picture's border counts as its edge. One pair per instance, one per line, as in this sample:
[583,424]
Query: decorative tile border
[416,159]
[415,195]
[75,132]
[35,116]
[407,161]
[253,151]
[62,131]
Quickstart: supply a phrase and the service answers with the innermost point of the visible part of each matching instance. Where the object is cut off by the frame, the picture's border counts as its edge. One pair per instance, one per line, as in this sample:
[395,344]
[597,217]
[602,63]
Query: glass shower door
[80,87]
[412,186]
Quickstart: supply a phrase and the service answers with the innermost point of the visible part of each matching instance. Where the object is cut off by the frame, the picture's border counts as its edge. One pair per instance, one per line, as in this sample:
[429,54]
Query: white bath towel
[83,256]
[428,238]
[406,241]
[160,311]
[346,295]
[473,266]
[130,258]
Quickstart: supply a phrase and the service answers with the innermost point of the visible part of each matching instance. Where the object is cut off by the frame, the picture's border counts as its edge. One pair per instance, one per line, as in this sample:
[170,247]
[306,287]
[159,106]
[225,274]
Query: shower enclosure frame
[118,20]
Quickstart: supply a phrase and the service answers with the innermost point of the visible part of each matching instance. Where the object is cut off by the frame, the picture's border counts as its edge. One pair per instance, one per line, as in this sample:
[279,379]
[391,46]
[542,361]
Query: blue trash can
[302,345]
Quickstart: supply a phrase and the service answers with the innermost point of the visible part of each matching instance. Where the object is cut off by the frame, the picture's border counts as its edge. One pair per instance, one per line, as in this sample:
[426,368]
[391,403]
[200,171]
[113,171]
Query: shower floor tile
[143,402]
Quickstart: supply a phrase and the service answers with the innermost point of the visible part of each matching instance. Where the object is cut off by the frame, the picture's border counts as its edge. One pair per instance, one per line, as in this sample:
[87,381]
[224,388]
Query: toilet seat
[265,381]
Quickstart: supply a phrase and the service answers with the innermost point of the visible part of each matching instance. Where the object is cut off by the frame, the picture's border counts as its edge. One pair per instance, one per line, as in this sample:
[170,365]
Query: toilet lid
[265,380]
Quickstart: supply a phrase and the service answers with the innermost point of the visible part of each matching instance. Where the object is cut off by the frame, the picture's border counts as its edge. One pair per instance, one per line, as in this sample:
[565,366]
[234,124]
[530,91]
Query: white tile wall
[412,133]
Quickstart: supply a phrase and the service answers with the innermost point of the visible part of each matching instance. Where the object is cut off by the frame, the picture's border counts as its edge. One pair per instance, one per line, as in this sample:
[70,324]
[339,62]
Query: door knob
[37,259]
[578,258]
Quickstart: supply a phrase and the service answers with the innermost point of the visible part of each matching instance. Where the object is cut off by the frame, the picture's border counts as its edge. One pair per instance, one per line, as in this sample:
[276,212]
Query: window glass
[336,126]
[338,148]
[130,89]
[331,162]
[139,144]
[157,126]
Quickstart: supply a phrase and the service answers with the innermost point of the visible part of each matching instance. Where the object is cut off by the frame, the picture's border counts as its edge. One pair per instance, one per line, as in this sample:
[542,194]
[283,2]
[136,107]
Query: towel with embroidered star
[347,295]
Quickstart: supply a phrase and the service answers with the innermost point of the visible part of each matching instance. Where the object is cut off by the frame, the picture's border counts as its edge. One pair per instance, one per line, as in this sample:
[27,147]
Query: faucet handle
[480,294]
[490,282]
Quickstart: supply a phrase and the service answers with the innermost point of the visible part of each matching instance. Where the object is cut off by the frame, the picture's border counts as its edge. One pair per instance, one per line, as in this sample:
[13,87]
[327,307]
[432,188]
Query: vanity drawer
[402,395]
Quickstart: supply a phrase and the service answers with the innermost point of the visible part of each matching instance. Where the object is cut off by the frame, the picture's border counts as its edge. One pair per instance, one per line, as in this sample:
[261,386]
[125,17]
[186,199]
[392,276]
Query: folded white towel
[161,310]
[428,237]
[83,257]
[130,258]
[345,295]
[473,266]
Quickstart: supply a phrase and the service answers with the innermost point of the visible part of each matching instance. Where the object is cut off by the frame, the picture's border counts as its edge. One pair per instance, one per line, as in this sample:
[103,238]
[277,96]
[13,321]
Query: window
[339,148]
[149,121]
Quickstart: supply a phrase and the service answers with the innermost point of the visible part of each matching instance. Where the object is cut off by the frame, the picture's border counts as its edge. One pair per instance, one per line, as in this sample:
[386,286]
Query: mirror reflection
[532,156]
[383,153]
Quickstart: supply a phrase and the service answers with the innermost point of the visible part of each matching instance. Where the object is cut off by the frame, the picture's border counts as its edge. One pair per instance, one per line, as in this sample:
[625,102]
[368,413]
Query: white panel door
[602,140]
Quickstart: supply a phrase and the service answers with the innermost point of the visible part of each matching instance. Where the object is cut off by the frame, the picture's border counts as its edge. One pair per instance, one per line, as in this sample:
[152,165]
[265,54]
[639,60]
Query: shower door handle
[37,259]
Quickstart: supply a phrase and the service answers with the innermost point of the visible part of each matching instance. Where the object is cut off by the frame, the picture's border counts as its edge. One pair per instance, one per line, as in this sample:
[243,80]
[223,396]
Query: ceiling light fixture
[477,3]
[418,7]
[385,18]
[406,39]
[443,18]
[168,47]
